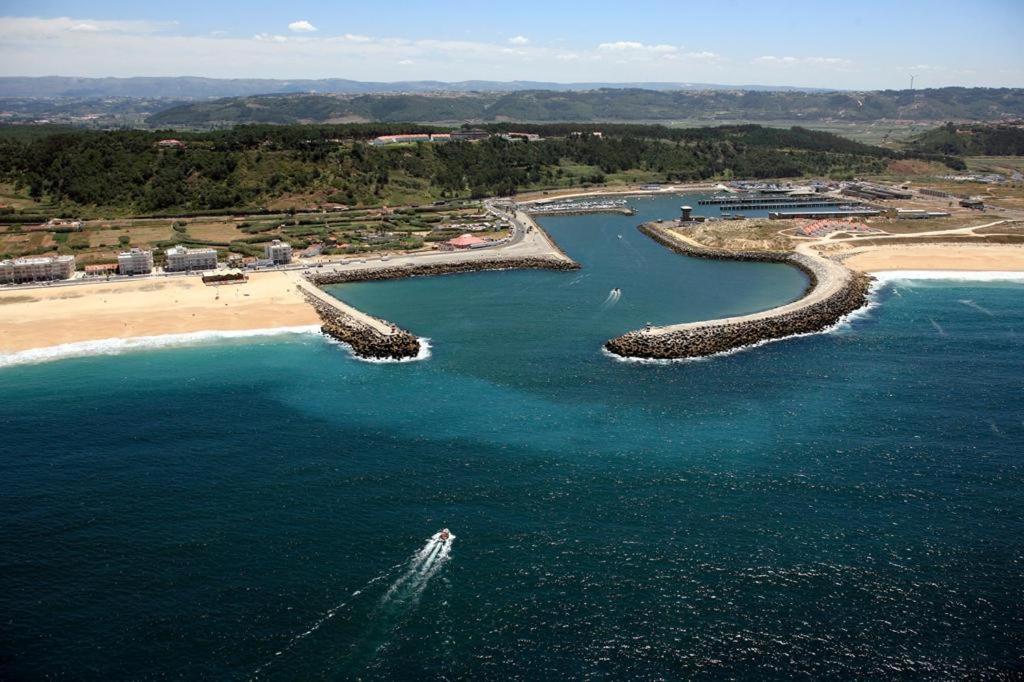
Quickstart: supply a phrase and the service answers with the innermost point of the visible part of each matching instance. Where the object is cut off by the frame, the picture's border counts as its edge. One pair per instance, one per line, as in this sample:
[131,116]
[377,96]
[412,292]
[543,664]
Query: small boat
[620,236]
[616,291]
[444,535]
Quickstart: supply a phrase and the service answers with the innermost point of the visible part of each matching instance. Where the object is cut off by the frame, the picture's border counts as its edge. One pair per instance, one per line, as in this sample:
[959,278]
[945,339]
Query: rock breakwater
[372,341]
[834,292]
[338,276]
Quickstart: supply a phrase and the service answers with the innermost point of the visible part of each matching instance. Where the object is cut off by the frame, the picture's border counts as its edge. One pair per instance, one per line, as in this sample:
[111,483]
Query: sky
[867,44]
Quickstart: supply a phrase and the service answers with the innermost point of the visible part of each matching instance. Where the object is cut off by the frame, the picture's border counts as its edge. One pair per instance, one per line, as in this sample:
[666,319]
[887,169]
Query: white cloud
[82,46]
[708,57]
[632,46]
[519,40]
[826,62]
[302,26]
[621,45]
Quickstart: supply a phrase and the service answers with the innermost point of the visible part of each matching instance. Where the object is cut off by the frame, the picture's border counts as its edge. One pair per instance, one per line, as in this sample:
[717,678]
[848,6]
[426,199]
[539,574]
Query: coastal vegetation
[604,104]
[253,168]
[972,140]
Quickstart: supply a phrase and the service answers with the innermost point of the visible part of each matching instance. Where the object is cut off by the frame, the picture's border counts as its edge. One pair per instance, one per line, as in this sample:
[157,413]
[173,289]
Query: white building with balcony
[181,259]
[38,269]
[135,262]
[278,251]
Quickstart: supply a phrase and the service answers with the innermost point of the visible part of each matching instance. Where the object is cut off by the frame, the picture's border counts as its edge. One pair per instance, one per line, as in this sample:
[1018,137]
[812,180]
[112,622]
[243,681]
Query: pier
[759,206]
[834,292]
[368,336]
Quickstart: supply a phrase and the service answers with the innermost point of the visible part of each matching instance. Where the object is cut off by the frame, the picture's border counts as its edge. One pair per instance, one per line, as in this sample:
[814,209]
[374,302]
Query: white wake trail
[972,304]
[329,614]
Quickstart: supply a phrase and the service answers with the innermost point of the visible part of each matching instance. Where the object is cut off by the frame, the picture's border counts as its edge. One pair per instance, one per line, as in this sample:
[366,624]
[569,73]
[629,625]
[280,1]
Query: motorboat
[444,535]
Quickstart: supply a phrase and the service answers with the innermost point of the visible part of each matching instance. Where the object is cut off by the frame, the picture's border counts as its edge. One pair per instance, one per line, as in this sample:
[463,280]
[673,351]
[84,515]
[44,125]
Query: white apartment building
[278,251]
[181,259]
[135,262]
[37,269]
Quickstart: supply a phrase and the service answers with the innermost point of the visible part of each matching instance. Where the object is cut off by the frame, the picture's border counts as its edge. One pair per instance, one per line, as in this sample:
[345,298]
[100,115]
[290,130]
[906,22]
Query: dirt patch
[6,300]
[914,167]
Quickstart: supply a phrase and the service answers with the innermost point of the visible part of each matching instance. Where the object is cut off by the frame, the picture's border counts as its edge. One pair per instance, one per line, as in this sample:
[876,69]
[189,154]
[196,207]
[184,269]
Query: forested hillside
[245,167]
[972,140]
[943,104]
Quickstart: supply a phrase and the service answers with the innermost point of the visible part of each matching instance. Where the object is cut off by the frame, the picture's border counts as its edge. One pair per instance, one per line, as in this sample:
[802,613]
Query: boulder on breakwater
[365,341]
[337,276]
[849,292]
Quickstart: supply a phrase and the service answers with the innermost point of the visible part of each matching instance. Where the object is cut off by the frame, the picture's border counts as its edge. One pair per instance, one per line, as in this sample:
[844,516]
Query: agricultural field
[346,232]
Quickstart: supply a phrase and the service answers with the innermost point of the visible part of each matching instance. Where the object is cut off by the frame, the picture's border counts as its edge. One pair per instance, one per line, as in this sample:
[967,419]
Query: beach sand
[50,316]
[981,257]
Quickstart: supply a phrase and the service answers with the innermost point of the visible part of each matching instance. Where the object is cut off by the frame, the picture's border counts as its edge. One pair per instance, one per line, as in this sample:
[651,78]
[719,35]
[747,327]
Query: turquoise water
[842,504]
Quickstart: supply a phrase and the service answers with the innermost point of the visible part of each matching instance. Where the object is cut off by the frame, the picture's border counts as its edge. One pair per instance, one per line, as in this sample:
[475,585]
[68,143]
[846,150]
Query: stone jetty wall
[427,269]
[365,340]
[620,210]
[849,292]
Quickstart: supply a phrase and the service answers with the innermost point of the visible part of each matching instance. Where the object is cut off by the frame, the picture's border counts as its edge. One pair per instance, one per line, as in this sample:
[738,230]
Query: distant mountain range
[188,87]
[605,105]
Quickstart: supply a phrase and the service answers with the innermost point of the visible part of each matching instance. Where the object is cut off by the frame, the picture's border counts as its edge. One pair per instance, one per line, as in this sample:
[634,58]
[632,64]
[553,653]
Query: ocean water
[836,505]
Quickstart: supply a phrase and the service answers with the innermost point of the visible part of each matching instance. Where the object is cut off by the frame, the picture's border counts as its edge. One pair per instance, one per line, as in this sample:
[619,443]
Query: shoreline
[45,319]
[120,345]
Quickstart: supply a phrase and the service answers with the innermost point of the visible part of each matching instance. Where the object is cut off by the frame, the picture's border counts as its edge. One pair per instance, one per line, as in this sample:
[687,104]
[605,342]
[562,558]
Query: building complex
[38,269]
[278,251]
[135,262]
[182,259]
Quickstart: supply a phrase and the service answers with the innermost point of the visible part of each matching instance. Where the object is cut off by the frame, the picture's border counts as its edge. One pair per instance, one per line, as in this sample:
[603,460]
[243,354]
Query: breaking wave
[136,343]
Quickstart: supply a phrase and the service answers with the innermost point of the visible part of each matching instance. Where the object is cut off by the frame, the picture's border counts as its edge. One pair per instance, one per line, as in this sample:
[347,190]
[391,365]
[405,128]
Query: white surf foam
[423,354]
[126,345]
[885,276]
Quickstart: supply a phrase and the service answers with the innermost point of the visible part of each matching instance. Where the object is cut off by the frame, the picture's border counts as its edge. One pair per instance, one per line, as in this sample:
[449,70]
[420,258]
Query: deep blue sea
[837,505]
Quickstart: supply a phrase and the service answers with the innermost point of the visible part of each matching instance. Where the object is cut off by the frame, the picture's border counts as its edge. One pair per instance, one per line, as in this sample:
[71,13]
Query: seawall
[429,269]
[834,292]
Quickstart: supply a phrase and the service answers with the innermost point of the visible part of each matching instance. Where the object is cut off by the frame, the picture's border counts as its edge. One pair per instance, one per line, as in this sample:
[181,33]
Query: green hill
[972,140]
[943,104]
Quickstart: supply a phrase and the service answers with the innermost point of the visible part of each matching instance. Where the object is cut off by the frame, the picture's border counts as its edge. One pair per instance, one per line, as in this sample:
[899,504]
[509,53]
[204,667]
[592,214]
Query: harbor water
[835,505]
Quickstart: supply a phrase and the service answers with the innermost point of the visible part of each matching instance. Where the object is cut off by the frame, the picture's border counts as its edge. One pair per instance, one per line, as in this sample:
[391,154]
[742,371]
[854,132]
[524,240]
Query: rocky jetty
[338,276]
[834,292]
[366,340]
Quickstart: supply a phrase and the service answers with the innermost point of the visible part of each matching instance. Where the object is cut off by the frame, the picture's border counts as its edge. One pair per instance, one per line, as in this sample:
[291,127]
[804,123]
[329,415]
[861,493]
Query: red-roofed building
[465,241]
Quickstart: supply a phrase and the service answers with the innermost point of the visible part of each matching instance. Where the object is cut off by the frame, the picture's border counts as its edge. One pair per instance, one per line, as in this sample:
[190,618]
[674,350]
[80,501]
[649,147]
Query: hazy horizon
[880,45]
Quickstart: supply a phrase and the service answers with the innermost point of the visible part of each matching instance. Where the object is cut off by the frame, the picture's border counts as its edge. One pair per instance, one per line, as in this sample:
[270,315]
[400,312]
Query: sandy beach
[980,257]
[50,316]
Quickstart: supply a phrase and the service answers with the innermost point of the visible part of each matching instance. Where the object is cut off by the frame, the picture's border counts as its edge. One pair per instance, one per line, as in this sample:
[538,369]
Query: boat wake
[403,593]
[423,566]
[613,297]
[980,309]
